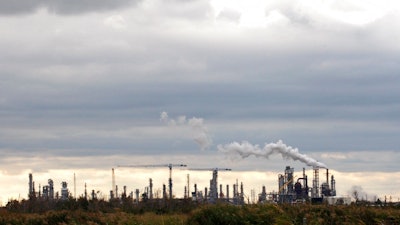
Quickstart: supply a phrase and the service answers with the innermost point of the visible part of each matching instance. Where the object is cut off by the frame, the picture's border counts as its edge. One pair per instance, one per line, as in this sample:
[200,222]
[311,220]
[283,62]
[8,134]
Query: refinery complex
[289,189]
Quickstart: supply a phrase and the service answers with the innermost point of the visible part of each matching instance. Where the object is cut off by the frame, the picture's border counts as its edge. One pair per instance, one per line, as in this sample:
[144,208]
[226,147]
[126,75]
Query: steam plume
[200,132]
[245,149]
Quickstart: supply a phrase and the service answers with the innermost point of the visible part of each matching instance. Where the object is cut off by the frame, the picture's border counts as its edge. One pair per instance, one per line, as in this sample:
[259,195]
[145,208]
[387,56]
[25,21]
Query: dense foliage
[185,212]
[294,214]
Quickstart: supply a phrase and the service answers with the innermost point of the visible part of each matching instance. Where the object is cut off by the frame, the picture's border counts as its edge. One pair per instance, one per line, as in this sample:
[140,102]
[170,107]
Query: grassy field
[216,214]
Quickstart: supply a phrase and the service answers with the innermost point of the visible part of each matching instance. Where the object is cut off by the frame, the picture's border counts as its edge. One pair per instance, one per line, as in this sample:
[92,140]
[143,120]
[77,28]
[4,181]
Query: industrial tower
[160,165]
[213,194]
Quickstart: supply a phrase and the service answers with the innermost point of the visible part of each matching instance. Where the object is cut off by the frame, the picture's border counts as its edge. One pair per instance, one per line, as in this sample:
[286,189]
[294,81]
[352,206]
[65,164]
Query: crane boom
[211,169]
[155,165]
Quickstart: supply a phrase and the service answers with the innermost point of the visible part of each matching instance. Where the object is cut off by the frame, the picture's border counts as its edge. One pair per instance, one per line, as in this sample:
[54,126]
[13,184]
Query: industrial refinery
[290,189]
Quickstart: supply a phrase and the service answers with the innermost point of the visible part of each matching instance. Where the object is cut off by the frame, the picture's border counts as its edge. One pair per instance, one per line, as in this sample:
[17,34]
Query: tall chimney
[30,186]
[327,177]
[113,187]
[151,188]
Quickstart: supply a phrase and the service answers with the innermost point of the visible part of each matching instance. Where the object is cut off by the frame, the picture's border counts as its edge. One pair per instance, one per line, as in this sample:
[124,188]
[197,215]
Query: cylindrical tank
[298,189]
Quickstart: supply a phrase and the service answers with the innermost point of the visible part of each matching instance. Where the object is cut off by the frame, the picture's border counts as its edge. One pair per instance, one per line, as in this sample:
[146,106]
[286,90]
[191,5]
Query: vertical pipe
[316,183]
[170,181]
[164,192]
[151,188]
[170,188]
[188,186]
[241,193]
[113,188]
[74,186]
[30,186]
[116,191]
[85,192]
[33,189]
[185,193]
[327,177]
[137,196]
[227,192]
[333,184]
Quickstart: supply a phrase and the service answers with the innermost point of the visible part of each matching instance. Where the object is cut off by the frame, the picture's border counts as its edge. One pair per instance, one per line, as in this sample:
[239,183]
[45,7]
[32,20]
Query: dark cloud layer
[63,7]
[83,85]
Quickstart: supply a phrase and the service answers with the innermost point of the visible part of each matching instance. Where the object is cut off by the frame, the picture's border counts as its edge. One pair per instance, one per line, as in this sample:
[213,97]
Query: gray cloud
[62,7]
[77,87]
[229,15]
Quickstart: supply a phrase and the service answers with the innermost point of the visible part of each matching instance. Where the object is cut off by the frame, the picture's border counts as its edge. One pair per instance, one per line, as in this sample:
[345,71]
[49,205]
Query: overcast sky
[87,79]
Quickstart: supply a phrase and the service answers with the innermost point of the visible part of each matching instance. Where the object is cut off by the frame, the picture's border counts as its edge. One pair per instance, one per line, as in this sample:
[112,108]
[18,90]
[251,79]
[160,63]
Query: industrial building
[47,191]
[291,189]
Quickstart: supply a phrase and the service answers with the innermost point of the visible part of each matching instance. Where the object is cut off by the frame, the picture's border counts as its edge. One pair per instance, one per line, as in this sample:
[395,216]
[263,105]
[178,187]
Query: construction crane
[213,183]
[160,165]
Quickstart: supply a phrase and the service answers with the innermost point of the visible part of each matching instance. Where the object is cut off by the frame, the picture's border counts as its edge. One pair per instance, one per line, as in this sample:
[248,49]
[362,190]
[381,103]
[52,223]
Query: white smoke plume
[245,149]
[200,131]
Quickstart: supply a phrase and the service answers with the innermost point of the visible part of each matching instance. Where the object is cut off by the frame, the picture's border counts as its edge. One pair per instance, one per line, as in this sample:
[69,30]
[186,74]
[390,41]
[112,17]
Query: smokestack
[30,195]
[327,177]
[113,188]
[316,183]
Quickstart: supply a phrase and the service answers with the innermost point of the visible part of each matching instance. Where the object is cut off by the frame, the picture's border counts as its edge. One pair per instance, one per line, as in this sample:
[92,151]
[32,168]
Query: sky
[89,85]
